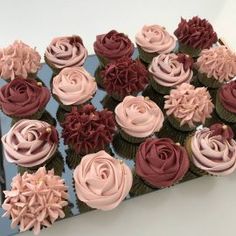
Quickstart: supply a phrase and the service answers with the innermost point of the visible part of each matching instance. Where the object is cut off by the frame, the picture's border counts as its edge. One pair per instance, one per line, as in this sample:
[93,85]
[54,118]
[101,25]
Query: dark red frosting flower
[161,162]
[196,32]
[227,96]
[49,134]
[124,77]
[223,130]
[23,97]
[186,60]
[87,130]
[113,45]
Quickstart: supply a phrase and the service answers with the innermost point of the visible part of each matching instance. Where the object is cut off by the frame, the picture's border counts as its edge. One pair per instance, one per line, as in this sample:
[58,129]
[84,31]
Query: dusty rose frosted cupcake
[30,143]
[153,40]
[101,181]
[19,60]
[170,70]
[66,51]
[194,35]
[73,86]
[216,66]
[24,99]
[112,46]
[138,118]
[188,107]
[35,200]
[161,162]
[212,150]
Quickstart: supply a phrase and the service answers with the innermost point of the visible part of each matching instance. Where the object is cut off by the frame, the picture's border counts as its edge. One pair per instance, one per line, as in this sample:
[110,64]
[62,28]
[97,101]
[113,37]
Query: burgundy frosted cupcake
[87,130]
[194,35]
[24,99]
[112,46]
[66,51]
[124,77]
[161,162]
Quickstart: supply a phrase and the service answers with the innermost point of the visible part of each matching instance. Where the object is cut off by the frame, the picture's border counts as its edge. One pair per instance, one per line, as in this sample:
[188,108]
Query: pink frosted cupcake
[212,150]
[19,60]
[216,66]
[35,200]
[187,106]
[102,181]
[153,40]
[170,70]
[66,51]
[73,86]
[138,118]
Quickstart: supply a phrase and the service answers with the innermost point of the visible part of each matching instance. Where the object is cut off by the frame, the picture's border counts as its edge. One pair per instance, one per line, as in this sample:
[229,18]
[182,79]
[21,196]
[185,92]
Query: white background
[206,206]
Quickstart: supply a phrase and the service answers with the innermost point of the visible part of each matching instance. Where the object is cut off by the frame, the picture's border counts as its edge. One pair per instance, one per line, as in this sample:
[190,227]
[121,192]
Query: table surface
[205,206]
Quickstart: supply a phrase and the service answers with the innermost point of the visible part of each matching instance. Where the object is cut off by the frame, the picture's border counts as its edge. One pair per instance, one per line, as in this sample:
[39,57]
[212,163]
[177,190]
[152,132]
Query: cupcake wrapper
[143,62]
[157,87]
[176,124]
[72,159]
[60,114]
[208,82]
[123,148]
[146,56]
[223,113]
[193,52]
[188,176]
[98,77]
[54,69]
[102,60]
[109,102]
[131,139]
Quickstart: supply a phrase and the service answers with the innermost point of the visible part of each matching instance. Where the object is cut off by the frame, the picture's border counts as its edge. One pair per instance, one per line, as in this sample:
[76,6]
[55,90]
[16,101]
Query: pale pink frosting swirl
[35,200]
[66,51]
[23,145]
[102,181]
[18,61]
[154,38]
[74,86]
[217,62]
[189,105]
[167,71]
[139,116]
[213,153]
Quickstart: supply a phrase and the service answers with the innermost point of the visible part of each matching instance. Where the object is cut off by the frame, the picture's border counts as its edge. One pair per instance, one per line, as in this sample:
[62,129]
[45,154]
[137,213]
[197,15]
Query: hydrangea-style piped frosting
[87,130]
[189,105]
[35,200]
[217,62]
[18,60]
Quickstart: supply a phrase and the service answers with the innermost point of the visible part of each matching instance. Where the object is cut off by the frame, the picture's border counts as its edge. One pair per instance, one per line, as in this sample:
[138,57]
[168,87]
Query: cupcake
[101,181]
[216,66]
[195,35]
[112,46]
[153,40]
[161,162]
[64,52]
[187,107]
[169,70]
[35,200]
[30,143]
[212,150]
[124,77]
[19,60]
[226,102]
[24,99]
[73,86]
[87,130]
[138,118]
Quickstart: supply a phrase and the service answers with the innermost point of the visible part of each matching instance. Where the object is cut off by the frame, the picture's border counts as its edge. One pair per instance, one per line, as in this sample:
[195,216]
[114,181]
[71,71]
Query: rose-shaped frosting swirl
[24,145]
[35,200]
[74,86]
[66,51]
[113,45]
[102,181]
[161,162]
[167,71]
[227,96]
[189,105]
[154,38]
[196,32]
[213,153]
[138,116]
[218,62]
[18,61]
[23,98]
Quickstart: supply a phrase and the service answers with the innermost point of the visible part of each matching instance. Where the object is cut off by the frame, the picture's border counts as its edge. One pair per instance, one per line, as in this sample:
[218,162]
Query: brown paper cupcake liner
[189,50]
[146,56]
[60,114]
[98,77]
[109,102]
[157,87]
[72,158]
[176,124]
[53,68]
[102,60]
[131,139]
[208,82]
